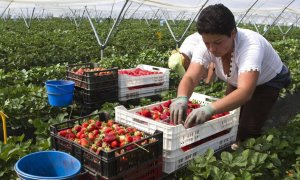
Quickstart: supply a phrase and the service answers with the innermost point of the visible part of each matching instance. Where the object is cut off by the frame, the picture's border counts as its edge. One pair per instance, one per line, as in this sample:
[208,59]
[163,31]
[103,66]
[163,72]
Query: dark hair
[216,19]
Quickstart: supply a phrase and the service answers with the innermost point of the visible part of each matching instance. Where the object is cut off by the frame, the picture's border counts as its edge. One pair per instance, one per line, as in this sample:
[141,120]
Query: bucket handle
[66,92]
[3,117]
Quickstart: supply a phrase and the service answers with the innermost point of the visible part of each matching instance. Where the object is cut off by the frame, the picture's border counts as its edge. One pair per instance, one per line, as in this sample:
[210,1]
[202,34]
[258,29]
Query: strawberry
[70,136]
[85,124]
[98,124]
[96,132]
[160,108]
[123,143]
[91,136]
[62,133]
[91,127]
[163,116]
[110,123]
[146,113]
[129,139]
[121,131]
[91,121]
[109,138]
[167,103]
[84,142]
[77,128]
[138,133]
[114,144]
[136,138]
[82,136]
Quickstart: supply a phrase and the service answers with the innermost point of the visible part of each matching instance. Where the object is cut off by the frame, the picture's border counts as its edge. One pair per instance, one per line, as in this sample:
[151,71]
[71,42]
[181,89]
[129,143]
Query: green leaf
[227,158]
[270,137]
[240,161]
[245,175]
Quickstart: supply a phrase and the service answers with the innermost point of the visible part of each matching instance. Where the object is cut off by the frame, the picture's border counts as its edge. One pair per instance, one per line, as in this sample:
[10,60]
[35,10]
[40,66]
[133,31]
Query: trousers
[255,112]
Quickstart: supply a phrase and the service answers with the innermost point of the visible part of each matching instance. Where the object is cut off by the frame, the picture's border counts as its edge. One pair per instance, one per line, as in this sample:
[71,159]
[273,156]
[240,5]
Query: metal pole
[278,17]
[246,12]
[170,29]
[6,8]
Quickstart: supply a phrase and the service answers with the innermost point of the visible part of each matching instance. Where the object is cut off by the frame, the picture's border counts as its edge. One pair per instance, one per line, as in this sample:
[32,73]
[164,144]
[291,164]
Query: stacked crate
[181,145]
[93,85]
[135,160]
[150,81]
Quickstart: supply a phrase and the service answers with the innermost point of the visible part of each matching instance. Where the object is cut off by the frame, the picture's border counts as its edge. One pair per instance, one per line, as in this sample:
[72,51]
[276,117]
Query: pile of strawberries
[138,72]
[161,112]
[81,71]
[97,135]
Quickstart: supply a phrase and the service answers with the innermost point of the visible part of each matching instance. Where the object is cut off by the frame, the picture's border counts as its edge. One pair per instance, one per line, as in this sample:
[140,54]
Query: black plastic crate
[107,164]
[92,80]
[96,96]
[150,170]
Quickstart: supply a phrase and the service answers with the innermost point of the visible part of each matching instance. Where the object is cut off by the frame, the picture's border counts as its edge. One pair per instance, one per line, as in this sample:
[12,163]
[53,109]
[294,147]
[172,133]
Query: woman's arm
[245,88]
[190,79]
[210,73]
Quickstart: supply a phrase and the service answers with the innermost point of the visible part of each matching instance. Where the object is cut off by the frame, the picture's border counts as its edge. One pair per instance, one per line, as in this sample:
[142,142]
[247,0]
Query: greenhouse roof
[284,12]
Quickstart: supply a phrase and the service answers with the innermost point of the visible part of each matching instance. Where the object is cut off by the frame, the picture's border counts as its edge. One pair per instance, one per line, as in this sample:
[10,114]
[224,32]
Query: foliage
[275,155]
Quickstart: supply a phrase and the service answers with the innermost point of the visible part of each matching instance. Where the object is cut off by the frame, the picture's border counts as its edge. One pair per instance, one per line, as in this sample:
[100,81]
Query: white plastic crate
[126,94]
[125,80]
[178,136]
[138,94]
[177,159]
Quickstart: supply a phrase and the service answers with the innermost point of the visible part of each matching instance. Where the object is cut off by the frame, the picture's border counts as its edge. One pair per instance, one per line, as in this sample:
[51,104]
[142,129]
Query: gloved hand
[199,116]
[178,109]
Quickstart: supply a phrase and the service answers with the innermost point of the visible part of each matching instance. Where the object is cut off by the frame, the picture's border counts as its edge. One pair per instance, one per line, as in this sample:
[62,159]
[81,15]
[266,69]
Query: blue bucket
[48,165]
[60,92]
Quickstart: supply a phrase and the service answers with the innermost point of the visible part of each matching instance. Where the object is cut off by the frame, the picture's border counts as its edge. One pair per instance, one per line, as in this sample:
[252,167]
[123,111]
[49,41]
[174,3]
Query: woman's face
[219,45]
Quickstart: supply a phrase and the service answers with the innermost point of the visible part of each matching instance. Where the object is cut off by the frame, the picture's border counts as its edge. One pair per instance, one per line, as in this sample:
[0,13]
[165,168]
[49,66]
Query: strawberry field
[45,51]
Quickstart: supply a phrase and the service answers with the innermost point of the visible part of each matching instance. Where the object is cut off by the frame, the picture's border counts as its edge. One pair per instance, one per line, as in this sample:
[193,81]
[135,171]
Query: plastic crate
[150,170]
[106,164]
[91,81]
[177,159]
[131,81]
[96,96]
[176,136]
[127,94]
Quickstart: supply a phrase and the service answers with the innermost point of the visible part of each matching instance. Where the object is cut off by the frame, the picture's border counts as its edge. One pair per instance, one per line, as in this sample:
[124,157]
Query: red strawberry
[84,142]
[163,116]
[114,144]
[110,123]
[129,139]
[91,136]
[77,128]
[160,108]
[146,113]
[62,133]
[85,124]
[167,103]
[109,138]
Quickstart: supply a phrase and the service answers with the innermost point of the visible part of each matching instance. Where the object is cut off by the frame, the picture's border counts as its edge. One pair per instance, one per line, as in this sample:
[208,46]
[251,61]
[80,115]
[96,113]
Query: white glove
[199,116]
[178,109]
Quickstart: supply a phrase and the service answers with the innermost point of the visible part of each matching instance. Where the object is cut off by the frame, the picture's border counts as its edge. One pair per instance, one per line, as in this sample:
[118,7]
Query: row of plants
[53,41]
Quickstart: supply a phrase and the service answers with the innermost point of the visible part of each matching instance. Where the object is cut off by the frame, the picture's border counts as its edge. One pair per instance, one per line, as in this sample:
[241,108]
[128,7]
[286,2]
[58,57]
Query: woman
[245,60]
[180,60]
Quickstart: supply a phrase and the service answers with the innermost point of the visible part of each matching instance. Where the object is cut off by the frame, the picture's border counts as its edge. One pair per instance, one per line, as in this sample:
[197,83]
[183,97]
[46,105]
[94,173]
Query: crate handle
[141,147]
[155,68]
